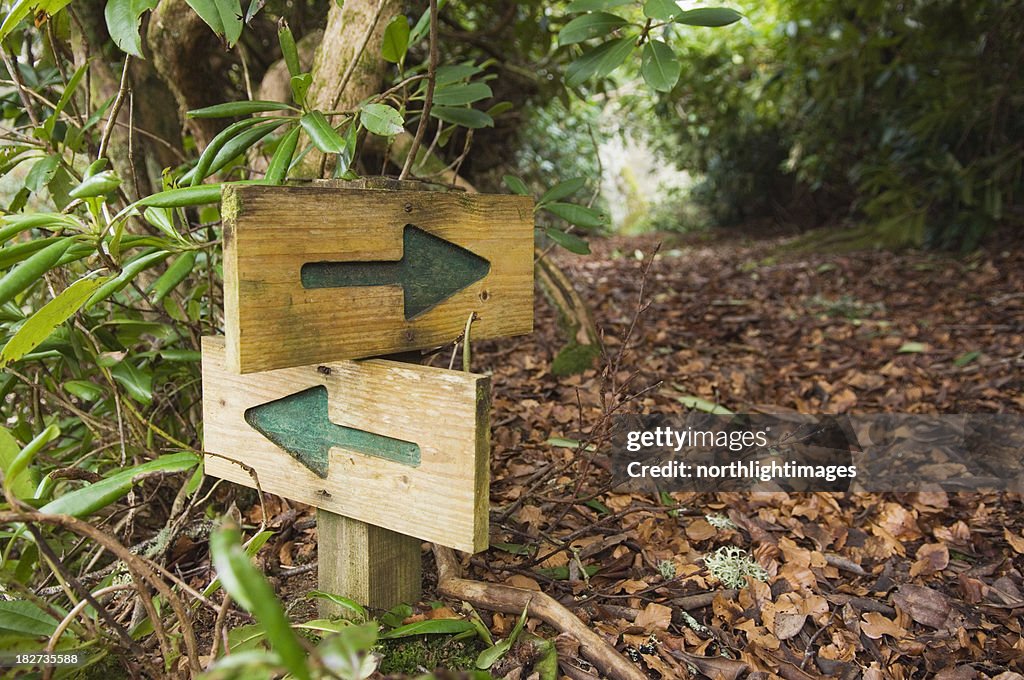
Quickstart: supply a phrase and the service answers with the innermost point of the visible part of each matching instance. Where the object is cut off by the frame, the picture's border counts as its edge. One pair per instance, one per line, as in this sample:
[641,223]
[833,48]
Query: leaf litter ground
[855,585]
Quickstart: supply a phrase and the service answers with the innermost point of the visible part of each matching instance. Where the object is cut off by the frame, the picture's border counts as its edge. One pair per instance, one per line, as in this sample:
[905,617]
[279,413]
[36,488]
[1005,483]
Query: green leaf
[128,272]
[580,215]
[396,40]
[571,242]
[430,627]
[31,270]
[591,5]
[491,655]
[41,173]
[704,405]
[27,454]
[662,10]
[246,584]
[277,170]
[41,324]
[206,159]
[223,16]
[323,625]
[709,16]
[600,61]
[343,602]
[236,146]
[15,224]
[460,94]
[138,383]
[22,617]
[252,547]
[19,10]
[347,655]
[288,49]
[659,66]
[423,24]
[568,443]
[912,348]
[88,499]
[240,108]
[100,184]
[966,358]
[98,165]
[187,355]
[562,190]
[14,254]
[184,197]
[325,137]
[84,390]
[393,617]
[516,185]
[469,118]
[589,26]
[247,638]
[122,18]
[65,97]
[500,108]
[21,483]
[453,73]
[381,119]
[162,219]
[174,275]
[342,169]
[300,85]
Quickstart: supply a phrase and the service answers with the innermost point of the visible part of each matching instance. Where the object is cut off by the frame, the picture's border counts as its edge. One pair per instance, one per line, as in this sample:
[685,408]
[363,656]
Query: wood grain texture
[446,413]
[272,321]
[375,567]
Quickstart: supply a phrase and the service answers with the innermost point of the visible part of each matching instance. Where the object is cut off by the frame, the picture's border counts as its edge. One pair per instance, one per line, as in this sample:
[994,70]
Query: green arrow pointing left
[300,424]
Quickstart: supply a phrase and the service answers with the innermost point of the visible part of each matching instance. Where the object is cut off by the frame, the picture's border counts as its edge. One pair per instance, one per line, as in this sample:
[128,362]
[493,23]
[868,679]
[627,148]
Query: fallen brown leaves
[859,585]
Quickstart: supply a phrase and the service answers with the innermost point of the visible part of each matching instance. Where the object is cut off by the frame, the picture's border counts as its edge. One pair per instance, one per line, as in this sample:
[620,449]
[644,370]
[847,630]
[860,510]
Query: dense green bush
[728,128]
[904,115]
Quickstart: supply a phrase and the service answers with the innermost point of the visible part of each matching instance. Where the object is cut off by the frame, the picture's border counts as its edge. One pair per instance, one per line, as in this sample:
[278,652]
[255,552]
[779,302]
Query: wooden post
[376,567]
[372,565]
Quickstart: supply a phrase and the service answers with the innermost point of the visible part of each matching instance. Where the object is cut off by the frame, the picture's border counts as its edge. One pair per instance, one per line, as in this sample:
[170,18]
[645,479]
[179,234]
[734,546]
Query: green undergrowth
[409,656]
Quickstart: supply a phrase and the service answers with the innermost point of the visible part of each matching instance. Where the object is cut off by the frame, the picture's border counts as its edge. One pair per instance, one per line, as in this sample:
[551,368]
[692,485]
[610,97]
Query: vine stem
[428,103]
[115,109]
[16,77]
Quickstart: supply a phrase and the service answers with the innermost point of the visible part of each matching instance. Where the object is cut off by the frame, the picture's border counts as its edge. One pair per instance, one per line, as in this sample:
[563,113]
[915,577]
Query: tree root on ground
[511,600]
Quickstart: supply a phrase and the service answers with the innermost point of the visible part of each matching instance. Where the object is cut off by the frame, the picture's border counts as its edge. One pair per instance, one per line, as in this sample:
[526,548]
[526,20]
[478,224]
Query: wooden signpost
[390,453]
[315,274]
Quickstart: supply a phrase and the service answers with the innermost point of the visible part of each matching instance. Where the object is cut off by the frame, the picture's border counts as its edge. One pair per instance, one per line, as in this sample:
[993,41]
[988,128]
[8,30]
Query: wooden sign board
[315,273]
[396,445]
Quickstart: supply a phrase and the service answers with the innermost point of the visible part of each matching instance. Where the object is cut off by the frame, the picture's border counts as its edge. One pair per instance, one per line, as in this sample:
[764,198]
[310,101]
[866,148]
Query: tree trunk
[150,109]
[355,30]
[192,61]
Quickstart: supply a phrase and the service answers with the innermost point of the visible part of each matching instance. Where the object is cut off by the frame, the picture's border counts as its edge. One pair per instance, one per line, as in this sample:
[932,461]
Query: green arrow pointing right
[431,271]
